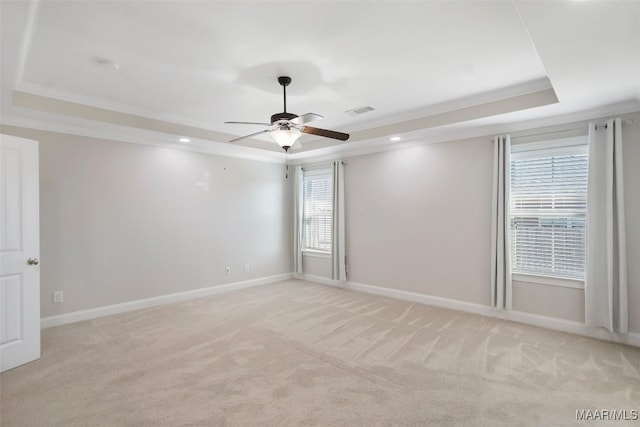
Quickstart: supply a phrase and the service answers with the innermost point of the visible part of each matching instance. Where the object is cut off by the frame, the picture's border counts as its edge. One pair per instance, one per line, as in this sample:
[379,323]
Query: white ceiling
[190,66]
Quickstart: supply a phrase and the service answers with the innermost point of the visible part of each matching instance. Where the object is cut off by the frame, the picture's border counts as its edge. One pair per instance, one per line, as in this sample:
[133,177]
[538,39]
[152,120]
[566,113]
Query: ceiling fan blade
[248,123]
[306,118]
[325,133]
[251,135]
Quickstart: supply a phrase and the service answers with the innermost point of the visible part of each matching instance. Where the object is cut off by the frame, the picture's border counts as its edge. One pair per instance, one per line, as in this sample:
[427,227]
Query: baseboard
[483,310]
[553,323]
[77,316]
[632,338]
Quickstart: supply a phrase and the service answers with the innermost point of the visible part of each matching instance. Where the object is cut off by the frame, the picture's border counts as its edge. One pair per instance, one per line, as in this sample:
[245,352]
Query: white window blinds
[318,196]
[548,207]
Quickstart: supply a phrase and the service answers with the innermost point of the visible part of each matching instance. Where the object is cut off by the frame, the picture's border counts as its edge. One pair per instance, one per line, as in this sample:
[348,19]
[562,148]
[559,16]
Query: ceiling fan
[285,128]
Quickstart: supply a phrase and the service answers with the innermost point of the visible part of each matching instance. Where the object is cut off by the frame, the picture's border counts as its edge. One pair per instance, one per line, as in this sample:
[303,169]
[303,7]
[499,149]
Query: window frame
[315,172]
[547,148]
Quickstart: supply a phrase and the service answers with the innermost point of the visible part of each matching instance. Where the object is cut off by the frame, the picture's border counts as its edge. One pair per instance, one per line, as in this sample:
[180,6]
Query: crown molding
[148,138]
[528,95]
[541,86]
[452,131]
[456,133]
[56,94]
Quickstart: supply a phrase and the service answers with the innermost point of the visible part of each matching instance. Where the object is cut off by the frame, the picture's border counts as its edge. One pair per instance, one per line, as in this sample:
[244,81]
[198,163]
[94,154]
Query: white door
[19,252]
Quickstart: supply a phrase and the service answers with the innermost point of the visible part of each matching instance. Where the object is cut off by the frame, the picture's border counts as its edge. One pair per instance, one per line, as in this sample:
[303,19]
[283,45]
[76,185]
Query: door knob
[33,261]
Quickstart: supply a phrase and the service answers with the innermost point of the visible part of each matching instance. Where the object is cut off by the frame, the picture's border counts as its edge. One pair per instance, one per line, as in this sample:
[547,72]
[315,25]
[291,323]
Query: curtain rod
[623,123]
[341,161]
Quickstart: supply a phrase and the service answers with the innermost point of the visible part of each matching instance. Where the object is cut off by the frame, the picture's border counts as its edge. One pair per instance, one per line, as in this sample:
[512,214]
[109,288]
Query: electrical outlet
[227,270]
[246,268]
[57,297]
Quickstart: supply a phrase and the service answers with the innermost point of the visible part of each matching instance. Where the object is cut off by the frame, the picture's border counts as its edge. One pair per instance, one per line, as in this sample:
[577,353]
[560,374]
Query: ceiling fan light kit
[285,137]
[286,128]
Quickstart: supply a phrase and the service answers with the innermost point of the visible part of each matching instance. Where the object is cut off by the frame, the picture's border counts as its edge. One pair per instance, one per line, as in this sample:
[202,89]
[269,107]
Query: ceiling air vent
[359,110]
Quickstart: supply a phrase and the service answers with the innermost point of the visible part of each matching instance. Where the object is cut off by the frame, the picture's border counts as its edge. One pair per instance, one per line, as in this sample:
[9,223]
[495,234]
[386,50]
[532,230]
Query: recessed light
[395,138]
[184,140]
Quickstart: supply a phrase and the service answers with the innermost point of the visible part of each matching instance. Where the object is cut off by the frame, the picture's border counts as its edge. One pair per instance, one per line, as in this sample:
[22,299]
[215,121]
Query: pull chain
[286,162]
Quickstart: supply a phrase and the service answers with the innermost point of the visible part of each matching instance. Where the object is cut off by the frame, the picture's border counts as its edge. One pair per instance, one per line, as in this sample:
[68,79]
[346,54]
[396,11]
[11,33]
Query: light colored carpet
[296,353]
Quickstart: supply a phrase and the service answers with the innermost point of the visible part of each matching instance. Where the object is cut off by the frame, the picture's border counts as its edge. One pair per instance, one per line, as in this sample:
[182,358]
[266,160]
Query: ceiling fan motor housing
[282,116]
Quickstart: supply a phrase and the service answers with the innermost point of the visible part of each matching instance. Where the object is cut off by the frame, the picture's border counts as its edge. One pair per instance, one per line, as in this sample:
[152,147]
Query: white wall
[316,265]
[418,219]
[548,300]
[121,222]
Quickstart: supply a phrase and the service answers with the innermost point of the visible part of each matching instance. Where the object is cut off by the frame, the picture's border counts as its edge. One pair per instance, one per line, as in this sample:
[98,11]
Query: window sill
[317,254]
[548,280]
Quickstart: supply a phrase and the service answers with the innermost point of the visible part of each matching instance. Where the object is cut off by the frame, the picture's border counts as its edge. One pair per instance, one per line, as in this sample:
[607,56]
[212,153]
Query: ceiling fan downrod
[284,116]
[284,82]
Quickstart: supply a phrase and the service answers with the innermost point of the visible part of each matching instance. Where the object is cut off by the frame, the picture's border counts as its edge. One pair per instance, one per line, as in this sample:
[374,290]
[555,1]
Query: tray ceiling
[182,68]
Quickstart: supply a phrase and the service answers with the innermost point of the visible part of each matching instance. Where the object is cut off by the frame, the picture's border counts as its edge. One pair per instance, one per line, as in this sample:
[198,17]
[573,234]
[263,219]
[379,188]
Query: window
[318,199]
[548,210]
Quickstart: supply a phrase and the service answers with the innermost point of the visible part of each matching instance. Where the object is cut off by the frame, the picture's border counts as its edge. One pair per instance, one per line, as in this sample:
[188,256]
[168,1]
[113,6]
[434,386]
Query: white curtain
[298,214]
[606,273]
[338,255]
[500,251]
